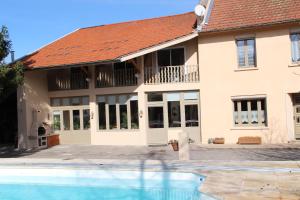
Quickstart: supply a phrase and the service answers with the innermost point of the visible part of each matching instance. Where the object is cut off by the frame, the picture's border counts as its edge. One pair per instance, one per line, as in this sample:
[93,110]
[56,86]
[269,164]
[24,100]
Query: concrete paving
[201,152]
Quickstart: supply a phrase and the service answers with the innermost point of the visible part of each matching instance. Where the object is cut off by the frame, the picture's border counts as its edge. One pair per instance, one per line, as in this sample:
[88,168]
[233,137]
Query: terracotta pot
[219,141]
[175,146]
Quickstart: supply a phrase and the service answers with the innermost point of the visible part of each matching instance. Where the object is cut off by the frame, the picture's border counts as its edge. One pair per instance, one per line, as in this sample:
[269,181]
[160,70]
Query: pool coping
[156,165]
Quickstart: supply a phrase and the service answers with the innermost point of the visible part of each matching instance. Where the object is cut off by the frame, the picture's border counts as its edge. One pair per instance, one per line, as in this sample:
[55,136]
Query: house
[231,73]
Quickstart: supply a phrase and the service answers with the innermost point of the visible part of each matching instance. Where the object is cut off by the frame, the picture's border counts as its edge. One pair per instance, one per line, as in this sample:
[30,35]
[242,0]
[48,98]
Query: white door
[156,120]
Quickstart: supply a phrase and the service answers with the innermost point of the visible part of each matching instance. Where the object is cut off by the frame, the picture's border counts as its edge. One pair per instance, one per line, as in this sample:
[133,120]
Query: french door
[173,111]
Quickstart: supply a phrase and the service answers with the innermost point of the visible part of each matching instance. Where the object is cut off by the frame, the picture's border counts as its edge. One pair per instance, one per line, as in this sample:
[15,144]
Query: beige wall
[220,81]
[37,95]
[33,103]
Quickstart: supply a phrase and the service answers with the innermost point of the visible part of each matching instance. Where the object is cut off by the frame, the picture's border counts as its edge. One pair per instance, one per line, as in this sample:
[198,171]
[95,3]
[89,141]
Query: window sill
[246,69]
[250,128]
[297,64]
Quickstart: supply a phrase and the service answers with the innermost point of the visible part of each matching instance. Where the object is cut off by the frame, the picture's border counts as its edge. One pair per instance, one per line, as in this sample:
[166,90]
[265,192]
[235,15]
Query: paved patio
[289,152]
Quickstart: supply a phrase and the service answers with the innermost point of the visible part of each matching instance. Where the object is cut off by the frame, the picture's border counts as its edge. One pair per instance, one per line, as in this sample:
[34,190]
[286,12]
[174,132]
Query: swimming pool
[63,184]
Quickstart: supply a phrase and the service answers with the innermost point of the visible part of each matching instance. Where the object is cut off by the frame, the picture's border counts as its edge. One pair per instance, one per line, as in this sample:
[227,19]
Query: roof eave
[262,25]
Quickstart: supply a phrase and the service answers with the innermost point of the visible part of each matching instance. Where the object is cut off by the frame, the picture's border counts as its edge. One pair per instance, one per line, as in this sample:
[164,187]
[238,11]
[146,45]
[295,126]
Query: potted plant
[174,144]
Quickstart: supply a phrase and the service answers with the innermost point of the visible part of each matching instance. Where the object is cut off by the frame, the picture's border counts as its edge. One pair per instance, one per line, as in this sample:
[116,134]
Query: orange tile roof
[236,14]
[109,42]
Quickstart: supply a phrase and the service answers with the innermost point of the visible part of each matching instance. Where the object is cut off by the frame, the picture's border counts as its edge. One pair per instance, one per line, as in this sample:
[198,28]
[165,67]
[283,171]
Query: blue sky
[34,23]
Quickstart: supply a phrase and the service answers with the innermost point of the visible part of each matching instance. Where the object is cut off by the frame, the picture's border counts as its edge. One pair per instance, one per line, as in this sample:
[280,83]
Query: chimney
[12,54]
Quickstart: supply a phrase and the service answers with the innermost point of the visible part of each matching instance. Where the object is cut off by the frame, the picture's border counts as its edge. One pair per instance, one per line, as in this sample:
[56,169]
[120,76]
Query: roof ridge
[138,20]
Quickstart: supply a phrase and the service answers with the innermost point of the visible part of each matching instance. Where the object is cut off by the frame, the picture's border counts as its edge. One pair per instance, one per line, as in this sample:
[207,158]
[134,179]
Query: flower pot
[175,146]
[219,141]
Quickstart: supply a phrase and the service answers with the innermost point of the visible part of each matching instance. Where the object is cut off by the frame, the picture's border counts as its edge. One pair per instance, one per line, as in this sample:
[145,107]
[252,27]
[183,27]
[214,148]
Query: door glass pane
[66,117]
[112,117]
[177,57]
[191,96]
[56,121]
[173,97]
[134,114]
[244,113]
[101,116]
[174,114]
[156,117]
[76,119]
[86,119]
[254,112]
[163,58]
[191,115]
[123,117]
[155,97]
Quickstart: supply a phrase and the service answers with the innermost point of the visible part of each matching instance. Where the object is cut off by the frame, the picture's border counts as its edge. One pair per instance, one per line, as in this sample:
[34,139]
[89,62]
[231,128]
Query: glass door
[156,130]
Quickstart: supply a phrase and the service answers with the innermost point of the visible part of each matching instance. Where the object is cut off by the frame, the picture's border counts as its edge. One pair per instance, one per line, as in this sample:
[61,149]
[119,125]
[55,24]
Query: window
[170,57]
[155,97]
[250,112]
[101,113]
[86,119]
[123,112]
[66,117]
[70,101]
[74,113]
[56,120]
[126,112]
[112,112]
[76,119]
[246,53]
[134,111]
[295,39]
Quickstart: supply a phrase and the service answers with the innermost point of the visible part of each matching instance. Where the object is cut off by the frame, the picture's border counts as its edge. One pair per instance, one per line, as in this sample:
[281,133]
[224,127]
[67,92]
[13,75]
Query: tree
[11,76]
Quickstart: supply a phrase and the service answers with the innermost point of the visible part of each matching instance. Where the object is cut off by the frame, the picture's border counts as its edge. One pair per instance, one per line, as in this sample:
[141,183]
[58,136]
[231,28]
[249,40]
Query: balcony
[115,75]
[67,79]
[171,74]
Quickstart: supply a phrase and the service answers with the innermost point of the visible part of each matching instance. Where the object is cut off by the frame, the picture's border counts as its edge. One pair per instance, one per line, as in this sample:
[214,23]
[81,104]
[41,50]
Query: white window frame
[246,66]
[294,33]
[60,108]
[259,105]
[118,129]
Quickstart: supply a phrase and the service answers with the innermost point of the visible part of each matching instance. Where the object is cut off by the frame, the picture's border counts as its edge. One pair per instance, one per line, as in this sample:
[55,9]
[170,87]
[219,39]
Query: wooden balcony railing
[107,77]
[172,74]
[67,80]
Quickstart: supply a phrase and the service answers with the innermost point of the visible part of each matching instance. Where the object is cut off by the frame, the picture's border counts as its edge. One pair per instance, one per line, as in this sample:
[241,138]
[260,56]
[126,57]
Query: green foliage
[11,76]
[5,43]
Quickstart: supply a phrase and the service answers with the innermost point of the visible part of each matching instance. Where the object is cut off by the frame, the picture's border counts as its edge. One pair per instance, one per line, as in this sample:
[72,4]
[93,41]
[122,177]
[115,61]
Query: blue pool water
[45,184]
